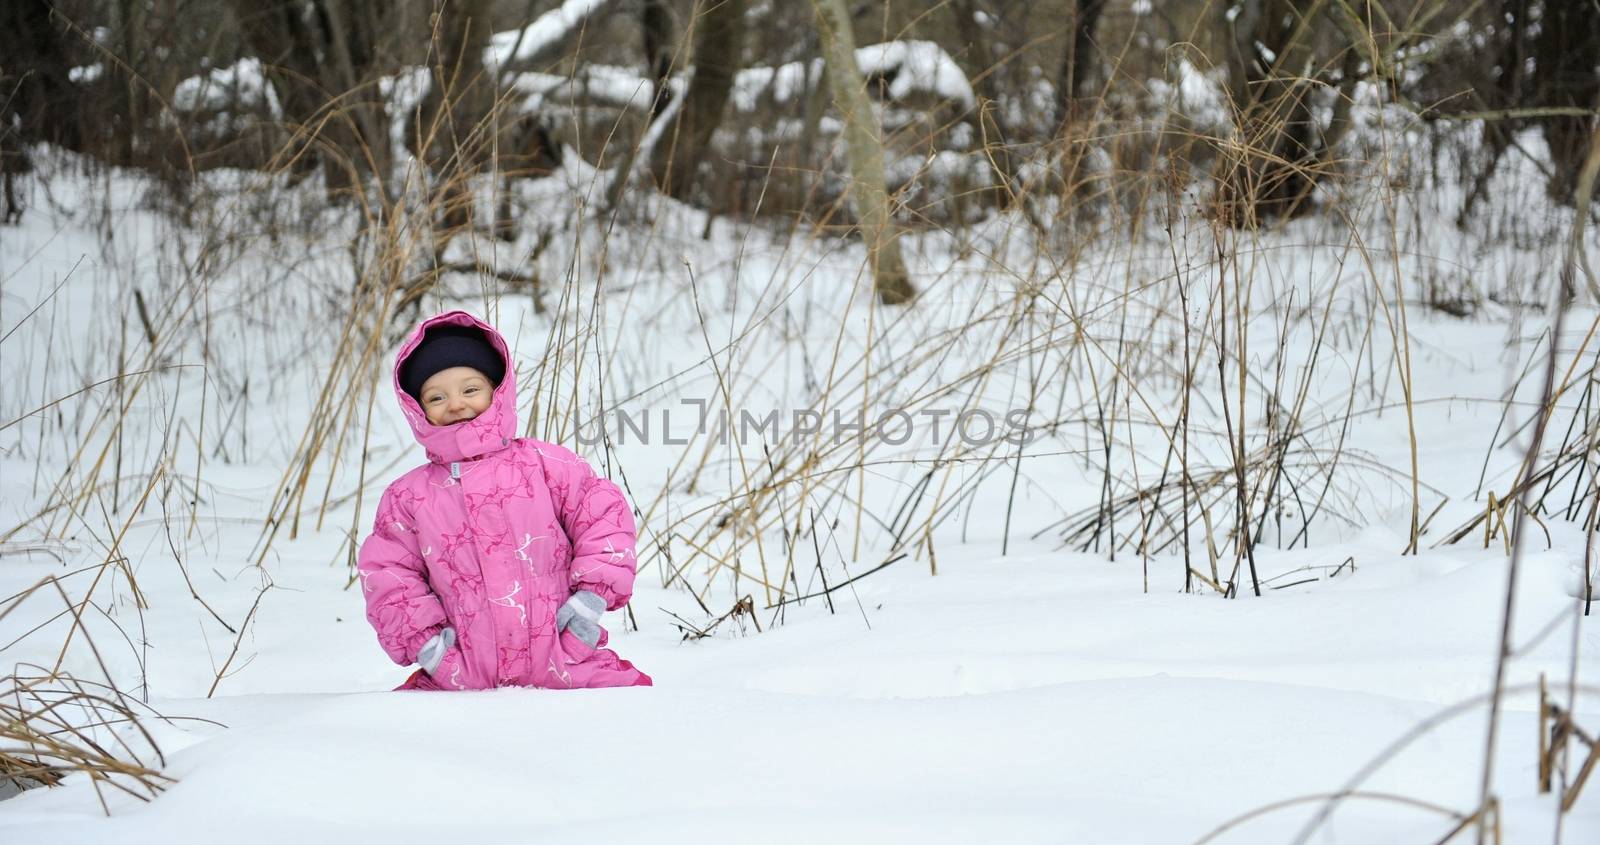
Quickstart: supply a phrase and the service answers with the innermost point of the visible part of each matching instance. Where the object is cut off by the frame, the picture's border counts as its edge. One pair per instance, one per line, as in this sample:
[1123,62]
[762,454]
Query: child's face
[455,395]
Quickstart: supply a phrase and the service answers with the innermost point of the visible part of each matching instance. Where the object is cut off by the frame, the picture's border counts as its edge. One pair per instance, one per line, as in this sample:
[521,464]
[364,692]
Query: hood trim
[486,433]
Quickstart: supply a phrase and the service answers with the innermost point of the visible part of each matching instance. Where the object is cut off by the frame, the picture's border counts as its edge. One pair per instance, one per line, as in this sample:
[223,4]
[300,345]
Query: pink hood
[488,432]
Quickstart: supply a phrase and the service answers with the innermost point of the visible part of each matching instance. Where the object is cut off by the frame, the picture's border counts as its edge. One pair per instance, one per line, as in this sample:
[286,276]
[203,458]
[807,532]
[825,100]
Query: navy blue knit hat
[450,346]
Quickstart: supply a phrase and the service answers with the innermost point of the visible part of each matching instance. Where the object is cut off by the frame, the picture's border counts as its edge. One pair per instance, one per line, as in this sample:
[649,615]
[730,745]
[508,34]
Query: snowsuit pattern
[491,536]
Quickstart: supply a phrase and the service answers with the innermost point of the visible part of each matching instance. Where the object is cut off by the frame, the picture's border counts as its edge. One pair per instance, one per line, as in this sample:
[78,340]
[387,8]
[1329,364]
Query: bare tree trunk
[38,101]
[889,276]
[1506,92]
[315,50]
[275,33]
[133,23]
[718,41]
[363,131]
[986,120]
[816,105]
[655,20]
[1075,101]
[1267,174]
[1566,54]
[1547,57]
[460,92]
[456,140]
[1077,64]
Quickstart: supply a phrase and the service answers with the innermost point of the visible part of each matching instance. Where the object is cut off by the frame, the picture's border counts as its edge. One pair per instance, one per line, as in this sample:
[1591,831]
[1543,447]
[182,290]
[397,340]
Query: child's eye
[472,390]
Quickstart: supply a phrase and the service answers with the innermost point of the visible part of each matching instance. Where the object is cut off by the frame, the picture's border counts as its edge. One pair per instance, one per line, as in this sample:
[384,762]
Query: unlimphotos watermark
[895,427]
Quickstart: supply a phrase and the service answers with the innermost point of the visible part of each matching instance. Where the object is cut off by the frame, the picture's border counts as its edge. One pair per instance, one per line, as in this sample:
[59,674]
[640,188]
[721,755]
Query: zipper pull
[455,469]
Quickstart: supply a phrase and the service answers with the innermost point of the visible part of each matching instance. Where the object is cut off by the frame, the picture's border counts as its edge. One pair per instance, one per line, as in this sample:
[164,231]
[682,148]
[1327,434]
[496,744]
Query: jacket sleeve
[401,605]
[598,521]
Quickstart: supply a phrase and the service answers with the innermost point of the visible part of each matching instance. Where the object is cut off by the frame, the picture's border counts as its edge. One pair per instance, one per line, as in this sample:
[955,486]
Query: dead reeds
[1184,387]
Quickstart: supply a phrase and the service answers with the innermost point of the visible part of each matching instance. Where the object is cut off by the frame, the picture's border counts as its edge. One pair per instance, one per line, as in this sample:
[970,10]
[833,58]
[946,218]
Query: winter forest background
[1072,420]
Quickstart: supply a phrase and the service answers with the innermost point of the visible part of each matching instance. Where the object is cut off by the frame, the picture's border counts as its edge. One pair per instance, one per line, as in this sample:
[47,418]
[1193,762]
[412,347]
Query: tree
[324,60]
[718,27]
[38,101]
[867,190]
[655,24]
[1521,64]
[991,128]
[454,122]
[1266,173]
[1077,62]
[1075,79]
[1567,75]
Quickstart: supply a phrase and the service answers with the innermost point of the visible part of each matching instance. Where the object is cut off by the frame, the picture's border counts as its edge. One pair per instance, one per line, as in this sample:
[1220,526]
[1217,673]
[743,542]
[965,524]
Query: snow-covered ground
[1026,692]
[1036,697]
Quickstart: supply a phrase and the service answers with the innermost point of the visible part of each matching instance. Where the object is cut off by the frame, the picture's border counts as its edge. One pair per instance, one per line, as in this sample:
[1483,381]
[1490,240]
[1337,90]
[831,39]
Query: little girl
[490,565]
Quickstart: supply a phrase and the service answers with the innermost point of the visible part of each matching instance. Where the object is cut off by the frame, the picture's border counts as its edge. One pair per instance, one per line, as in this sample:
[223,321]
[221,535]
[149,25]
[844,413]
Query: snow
[242,86]
[596,83]
[782,83]
[1026,696]
[546,30]
[85,74]
[1030,691]
[943,167]
[405,90]
[919,67]
[1202,95]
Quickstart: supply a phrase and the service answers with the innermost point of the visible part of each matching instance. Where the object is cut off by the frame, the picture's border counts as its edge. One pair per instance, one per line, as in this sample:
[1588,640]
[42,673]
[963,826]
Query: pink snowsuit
[492,536]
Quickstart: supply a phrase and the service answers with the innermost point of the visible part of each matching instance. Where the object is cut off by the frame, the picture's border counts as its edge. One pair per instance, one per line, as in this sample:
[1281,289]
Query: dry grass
[1114,291]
